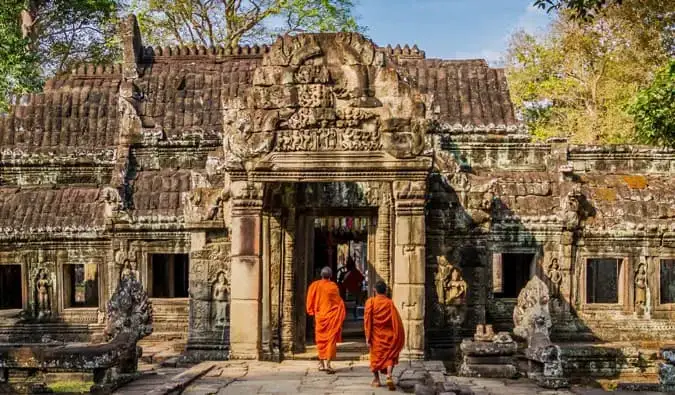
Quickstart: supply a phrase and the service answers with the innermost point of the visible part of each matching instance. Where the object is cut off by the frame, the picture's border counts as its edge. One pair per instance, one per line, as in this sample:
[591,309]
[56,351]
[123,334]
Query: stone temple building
[218,176]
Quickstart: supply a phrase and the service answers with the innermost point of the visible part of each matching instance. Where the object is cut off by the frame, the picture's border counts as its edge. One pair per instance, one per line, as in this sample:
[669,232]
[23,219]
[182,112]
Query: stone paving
[302,377]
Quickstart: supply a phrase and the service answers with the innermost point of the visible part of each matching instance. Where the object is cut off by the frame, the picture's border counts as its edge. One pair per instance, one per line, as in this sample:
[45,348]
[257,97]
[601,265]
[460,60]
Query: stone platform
[352,377]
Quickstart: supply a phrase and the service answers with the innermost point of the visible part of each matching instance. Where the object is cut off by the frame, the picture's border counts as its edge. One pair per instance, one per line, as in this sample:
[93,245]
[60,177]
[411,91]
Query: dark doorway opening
[342,244]
[10,287]
[81,285]
[516,272]
[170,275]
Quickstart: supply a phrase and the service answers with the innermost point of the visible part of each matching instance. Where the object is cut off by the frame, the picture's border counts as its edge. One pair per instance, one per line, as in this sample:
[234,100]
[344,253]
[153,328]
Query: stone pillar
[266,329]
[245,309]
[409,263]
[383,235]
[288,327]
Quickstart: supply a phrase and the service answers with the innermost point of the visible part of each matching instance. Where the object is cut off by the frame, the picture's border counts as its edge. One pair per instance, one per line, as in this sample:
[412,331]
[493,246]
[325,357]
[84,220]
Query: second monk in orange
[384,334]
[326,305]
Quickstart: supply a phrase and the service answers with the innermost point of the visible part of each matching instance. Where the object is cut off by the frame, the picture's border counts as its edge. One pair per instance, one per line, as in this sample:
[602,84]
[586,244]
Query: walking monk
[326,305]
[384,334]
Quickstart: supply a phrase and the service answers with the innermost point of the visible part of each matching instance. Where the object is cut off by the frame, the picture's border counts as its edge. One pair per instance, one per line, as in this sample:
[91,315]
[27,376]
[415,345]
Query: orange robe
[384,332]
[326,305]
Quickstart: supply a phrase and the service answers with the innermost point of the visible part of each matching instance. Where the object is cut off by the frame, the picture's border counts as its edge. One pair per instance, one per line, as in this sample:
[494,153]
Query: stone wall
[214,153]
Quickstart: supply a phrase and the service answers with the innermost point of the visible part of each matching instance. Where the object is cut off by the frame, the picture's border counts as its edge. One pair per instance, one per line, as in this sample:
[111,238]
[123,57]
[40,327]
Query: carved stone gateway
[325,108]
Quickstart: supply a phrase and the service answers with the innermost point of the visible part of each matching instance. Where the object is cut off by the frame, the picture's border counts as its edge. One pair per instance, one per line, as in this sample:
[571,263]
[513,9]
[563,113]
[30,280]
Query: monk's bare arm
[367,320]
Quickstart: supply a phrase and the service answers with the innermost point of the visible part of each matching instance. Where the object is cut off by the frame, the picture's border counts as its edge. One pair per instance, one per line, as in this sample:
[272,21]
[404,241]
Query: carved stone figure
[641,290]
[571,207]
[451,291]
[450,285]
[220,294]
[531,313]
[555,277]
[128,269]
[42,286]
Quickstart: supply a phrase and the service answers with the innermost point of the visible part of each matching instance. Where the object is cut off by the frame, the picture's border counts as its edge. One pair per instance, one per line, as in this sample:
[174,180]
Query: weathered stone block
[245,235]
[245,277]
[410,230]
[409,300]
[409,264]
[487,370]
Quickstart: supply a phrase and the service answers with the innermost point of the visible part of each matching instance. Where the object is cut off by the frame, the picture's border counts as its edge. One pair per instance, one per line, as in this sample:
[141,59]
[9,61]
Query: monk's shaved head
[326,272]
[381,287]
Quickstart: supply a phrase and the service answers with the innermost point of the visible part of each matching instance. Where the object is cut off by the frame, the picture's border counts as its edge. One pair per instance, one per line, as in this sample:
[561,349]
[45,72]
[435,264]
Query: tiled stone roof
[73,113]
[465,93]
[187,98]
[36,210]
[160,193]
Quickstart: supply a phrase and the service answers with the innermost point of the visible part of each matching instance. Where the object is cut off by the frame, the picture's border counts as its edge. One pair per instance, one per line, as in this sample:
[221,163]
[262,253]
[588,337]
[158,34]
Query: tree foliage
[578,79]
[654,109]
[43,37]
[578,9]
[231,22]
[18,65]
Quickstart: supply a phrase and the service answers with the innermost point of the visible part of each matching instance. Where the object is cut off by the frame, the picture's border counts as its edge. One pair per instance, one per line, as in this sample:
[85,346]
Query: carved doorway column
[409,263]
[246,270]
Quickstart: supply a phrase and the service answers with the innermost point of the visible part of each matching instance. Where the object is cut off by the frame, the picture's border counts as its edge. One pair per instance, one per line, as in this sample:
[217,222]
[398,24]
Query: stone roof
[160,193]
[74,113]
[185,98]
[466,94]
[38,210]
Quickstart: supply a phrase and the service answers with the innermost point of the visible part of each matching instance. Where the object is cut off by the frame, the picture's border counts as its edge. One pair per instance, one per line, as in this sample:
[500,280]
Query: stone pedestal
[667,370]
[246,266]
[492,359]
[409,263]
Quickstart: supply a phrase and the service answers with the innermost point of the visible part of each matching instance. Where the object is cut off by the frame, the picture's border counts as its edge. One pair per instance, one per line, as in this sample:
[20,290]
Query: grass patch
[71,387]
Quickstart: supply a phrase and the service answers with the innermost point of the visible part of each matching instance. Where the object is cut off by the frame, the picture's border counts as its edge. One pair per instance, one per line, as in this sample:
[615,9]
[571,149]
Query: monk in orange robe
[326,305]
[384,334]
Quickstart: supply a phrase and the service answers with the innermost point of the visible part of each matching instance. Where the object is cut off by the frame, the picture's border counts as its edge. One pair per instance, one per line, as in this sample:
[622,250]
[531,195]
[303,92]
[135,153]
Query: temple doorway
[342,243]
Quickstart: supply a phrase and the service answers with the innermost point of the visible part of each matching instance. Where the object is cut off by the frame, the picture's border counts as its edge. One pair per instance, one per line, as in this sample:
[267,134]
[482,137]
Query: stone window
[170,275]
[667,279]
[602,280]
[10,287]
[81,285]
[510,273]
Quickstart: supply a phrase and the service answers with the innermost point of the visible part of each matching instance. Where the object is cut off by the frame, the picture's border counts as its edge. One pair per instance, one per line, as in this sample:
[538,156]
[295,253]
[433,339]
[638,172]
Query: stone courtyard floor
[301,377]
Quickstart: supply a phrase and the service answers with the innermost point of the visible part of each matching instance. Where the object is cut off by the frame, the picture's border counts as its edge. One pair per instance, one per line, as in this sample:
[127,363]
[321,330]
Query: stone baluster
[409,263]
[245,310]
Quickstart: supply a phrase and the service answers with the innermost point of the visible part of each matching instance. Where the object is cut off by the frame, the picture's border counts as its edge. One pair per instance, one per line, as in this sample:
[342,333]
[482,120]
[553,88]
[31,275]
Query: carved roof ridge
[201,51]
[403,52]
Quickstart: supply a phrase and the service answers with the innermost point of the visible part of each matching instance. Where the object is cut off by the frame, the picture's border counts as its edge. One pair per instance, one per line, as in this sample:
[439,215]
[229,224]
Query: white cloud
[532,20]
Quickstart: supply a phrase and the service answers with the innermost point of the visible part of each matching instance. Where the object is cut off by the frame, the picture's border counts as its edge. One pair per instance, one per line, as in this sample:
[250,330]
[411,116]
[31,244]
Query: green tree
[19,71]
[578,9]
[41,38]
[232,22]
[654,109]
[578,79]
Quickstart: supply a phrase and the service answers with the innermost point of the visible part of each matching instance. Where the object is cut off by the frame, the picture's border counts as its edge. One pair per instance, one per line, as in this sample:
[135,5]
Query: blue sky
[450,29]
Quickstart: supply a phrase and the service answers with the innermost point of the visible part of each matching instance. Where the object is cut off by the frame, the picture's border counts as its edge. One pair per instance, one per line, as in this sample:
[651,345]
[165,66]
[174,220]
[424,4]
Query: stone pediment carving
[324,92]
